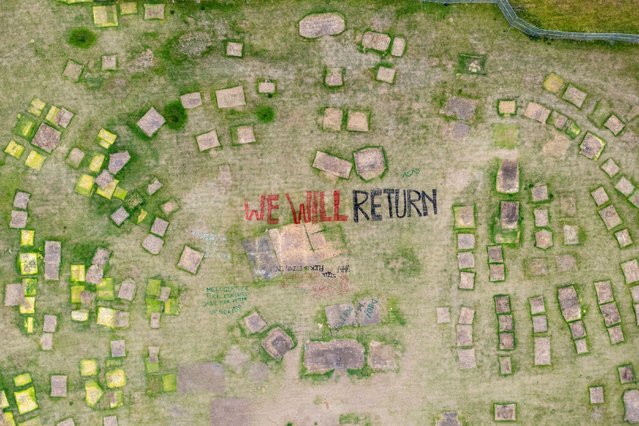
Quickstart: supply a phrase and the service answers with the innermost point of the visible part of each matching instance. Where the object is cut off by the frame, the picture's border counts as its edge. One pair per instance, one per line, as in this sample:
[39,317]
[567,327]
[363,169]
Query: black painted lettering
[388,193]
[357,205]
[375,205]
[397,204]
[432,199]
[412,202]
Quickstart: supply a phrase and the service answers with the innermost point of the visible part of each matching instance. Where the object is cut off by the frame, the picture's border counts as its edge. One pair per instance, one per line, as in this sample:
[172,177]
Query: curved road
[533,31]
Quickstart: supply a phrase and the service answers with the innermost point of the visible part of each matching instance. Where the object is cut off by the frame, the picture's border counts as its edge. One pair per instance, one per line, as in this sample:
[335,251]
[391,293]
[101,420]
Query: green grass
[404,262]
[189,8]
[131,121]
[577,15]
[395,315]
[182,49]
[170,51]
[408,8]
[353,419]
[361,373]
[92,81]
[175,115]
[422,277]
[265,113]
[83,252]
[600,114]
[82,37]
[465,60]
[506,135]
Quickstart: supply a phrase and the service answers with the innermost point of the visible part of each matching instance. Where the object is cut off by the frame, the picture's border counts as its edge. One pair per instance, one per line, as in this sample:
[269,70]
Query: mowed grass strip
[575,15]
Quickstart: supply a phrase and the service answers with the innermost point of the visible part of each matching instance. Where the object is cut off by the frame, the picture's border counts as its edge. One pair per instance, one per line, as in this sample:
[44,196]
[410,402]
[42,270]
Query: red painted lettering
[304,212]
[322,209]
[254,213]
[336,216]
[272,205]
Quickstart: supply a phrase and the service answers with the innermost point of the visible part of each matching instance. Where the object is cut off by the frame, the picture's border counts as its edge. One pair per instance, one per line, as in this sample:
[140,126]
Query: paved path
[533,31]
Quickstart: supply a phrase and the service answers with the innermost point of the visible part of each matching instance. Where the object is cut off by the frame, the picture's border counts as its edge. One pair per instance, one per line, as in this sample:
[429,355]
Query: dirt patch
[376,41]
[615,334]
[497,272]
[604,291]
[151,243]
[569,303]
[456,130]
[334,77]
[542,351]
[254,323]
[231,97]
[370,162]
[332,119]
[537,112]
[464,335]
[600,196]
[556,147]
[191,100]
[194,44]
[381,356]
[151,122]
[340,354]
[143,62]
[592,146]
[610,313]
[466,358]
[610,217]
[332,165]
[502,304]
[626,374]
[245,135]
[464,216]
[341,315]
[495,254]
[509,214]
[117,161]
[190,260]
[357,121]
[205,377]
[277,343]
[321,24]
[540,324]
[577,330]
[543,239]
[262,256]
[47,138]
[566,263]
[230,412]
[13,295]
[466,315]
[505,412]
[574,96]
[236,359]
[460,108]
[508,177]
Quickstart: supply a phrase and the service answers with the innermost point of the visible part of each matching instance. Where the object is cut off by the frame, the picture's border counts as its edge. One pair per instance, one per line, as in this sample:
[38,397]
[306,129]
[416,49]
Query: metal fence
[533,31]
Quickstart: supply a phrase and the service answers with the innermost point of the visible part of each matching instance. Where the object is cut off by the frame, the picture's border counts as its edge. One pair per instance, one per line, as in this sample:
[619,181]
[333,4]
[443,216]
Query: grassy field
[211,188]
[570,15]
